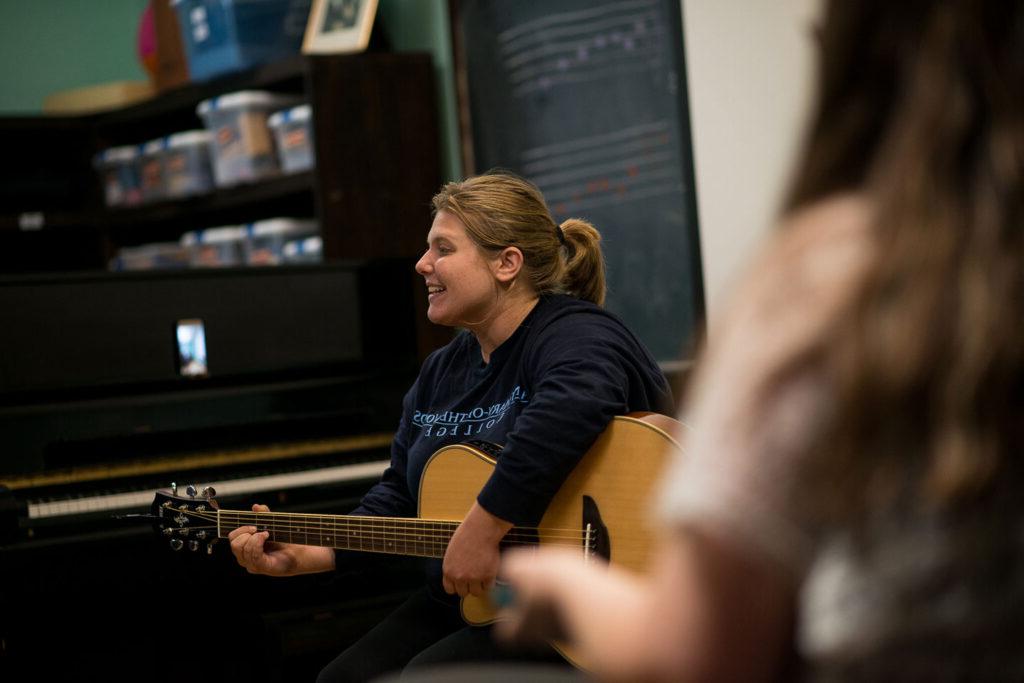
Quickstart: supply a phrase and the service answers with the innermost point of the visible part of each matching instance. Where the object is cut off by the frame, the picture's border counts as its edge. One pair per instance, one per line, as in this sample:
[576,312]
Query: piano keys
[137,501]
[117,489]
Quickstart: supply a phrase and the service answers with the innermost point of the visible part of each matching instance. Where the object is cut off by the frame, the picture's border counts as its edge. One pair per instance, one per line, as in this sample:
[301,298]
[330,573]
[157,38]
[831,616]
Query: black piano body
[306,369]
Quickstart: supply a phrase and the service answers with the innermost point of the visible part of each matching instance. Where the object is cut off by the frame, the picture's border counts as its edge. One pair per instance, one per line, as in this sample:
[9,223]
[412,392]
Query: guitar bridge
[596,541]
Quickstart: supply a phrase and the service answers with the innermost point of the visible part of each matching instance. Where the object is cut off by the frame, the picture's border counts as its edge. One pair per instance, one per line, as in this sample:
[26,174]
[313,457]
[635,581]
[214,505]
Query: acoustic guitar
[601,508]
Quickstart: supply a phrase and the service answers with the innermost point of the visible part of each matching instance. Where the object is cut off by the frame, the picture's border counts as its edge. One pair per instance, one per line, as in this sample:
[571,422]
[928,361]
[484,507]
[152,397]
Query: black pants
[424,632]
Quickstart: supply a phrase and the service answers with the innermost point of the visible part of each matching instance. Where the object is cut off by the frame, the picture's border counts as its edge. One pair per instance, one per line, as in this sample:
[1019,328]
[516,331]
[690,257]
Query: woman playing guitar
[538,367]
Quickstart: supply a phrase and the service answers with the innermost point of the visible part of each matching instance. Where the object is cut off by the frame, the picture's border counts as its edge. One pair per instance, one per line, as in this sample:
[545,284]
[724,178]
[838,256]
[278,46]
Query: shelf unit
[375,126]
[378,163]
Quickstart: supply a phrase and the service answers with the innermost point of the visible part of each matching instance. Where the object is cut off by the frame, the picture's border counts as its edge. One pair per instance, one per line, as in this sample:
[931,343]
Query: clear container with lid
[266,238]
[243,145]
[186,164]
[119,171]
[151,170]
[216,247]
[293,131]
[155,256]
[308,250]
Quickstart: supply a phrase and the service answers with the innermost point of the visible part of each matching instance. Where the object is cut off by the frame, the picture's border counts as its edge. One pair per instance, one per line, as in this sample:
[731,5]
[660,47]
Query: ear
[507,264]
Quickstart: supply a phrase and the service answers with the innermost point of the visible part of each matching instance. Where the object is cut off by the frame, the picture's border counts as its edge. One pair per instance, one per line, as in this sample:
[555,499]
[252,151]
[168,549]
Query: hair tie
[560,235]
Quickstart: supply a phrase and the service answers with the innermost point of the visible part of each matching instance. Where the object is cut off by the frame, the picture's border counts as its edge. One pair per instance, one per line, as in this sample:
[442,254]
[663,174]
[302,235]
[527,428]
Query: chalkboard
[587,98]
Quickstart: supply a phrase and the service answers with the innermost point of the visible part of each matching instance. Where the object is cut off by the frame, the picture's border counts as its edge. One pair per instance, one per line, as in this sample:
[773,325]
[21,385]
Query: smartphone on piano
[190,336]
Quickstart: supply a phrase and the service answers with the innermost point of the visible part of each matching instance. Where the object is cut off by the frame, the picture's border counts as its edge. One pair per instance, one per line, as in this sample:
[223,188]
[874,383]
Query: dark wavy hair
[921,110]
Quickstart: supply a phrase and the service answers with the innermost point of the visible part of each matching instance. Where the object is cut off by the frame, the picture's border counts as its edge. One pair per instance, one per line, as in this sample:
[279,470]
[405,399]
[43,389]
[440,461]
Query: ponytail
[503,210]
[583,276]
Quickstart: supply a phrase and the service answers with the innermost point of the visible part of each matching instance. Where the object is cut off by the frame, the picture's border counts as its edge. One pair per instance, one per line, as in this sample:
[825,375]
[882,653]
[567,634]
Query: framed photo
[339,26]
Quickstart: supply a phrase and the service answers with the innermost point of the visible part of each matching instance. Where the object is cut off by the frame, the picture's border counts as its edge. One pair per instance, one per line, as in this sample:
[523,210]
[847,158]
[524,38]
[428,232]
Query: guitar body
[619,473]
[610,490]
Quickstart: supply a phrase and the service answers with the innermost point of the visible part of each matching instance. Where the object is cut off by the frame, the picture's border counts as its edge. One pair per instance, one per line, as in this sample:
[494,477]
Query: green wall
[52,45]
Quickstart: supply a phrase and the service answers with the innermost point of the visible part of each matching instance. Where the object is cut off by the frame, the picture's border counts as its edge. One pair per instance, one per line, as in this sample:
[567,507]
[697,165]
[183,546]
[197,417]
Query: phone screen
[191,338]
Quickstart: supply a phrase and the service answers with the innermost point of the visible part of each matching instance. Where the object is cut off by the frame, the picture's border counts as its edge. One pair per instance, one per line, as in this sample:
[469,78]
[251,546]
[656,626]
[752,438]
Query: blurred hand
[536,582]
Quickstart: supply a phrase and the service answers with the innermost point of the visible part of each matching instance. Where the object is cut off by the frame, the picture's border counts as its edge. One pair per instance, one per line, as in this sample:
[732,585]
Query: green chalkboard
[587,98]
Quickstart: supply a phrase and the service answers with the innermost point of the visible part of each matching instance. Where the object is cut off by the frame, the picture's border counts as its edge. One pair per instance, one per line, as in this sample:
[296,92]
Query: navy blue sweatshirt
[547,393]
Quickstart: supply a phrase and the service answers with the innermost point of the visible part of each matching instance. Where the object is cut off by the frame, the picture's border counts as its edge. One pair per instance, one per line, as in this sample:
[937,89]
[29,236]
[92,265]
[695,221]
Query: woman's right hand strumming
[260,556]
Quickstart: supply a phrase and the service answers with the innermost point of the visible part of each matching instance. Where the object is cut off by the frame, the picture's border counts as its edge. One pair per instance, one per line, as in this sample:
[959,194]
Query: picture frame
[339,26]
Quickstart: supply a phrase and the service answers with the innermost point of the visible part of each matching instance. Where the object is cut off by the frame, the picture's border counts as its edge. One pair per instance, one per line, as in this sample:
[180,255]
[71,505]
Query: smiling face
[461,282]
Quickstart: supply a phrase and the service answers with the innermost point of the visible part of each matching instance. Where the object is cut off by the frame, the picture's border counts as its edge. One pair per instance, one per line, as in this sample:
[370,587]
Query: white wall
[750,67]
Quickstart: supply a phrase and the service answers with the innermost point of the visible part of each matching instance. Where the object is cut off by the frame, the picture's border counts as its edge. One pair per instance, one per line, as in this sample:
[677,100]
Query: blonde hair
[503,210]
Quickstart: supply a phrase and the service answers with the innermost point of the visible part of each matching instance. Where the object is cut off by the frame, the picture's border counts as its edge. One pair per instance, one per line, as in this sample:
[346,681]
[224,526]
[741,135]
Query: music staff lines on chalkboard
[605,155]
[548,22]
[587,99]
[615,68]
[634,192]
[578,47]
[586,66]
[624,165]
[597,182]
[595,34]
[630,165]
[570,146]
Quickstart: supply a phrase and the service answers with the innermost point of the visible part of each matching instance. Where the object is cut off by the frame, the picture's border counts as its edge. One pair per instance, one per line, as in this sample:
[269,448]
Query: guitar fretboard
[392,535]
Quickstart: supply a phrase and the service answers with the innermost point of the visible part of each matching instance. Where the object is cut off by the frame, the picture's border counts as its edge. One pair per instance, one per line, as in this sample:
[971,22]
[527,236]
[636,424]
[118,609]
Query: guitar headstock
[186,521]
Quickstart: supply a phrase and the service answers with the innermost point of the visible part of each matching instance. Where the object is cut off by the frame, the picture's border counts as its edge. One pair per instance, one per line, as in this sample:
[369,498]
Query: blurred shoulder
[804,276]
[814,259]
[832,232]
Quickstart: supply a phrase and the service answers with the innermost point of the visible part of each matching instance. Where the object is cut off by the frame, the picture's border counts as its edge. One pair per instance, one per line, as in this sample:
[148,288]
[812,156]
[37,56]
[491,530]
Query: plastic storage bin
[154,256]
[309,250]
[266,239]
[119,171]
[221,36]
[215,247]
[293,131]
[186,164]
[243,146]
[151,170]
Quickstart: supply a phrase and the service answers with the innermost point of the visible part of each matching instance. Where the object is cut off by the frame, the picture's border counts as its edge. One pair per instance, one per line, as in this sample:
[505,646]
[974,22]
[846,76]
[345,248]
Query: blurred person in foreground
[851,489]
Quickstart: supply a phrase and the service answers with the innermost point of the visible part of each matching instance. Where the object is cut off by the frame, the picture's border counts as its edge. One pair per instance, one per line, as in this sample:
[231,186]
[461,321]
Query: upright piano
[107,393]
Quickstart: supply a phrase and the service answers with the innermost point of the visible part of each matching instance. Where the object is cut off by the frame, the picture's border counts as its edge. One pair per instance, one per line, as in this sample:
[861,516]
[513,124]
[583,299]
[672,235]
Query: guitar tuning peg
[176,544]
[191,490]
[174,488]
[209,548]
[209,492]
[193,545]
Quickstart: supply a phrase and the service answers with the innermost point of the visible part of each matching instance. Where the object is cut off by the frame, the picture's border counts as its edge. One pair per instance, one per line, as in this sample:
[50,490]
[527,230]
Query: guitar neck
[392,535]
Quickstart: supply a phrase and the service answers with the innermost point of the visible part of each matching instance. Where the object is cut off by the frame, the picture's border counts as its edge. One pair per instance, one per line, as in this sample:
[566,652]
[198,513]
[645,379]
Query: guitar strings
[314,516]
[373,529]
[238,518]
[423,548]
[387,543]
